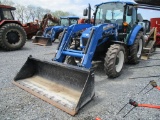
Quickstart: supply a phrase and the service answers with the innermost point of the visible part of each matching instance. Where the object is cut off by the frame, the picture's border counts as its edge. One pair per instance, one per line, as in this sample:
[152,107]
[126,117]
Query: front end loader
[66,87]
[68,81]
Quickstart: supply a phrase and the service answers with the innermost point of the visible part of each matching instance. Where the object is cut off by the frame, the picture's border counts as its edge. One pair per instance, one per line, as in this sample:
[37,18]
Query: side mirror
[85,12]
[129,12]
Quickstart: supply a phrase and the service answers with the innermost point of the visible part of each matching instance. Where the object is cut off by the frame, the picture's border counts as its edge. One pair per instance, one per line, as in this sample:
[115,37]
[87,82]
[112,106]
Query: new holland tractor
[52,33]
[115,38]
[12,34]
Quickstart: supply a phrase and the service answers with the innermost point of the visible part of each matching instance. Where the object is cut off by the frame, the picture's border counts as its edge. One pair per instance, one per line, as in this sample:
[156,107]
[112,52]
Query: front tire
[12,37]
[114,60]
[71,60]
[136,49]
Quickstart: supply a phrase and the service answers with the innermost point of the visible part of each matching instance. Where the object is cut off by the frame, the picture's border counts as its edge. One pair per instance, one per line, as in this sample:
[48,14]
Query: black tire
[39,33]
[114,60]
[136,49]
[70,60]
[12,37]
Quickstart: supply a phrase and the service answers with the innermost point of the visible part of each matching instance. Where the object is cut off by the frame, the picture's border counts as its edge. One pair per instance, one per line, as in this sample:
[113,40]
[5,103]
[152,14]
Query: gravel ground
[110,94]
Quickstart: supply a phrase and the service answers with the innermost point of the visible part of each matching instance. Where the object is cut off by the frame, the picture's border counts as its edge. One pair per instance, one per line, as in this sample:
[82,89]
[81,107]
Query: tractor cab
[6,12]
[67,21]
[123,14]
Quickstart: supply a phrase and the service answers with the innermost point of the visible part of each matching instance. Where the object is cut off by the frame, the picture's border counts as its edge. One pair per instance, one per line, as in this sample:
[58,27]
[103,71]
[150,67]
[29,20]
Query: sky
[77,6]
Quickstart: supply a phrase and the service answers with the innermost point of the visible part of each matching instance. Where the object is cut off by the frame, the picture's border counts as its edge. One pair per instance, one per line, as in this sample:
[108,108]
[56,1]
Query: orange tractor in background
[84,20]
[31,28]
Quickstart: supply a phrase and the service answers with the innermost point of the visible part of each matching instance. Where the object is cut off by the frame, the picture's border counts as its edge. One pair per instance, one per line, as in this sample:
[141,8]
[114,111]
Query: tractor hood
[106,28]
[56,28]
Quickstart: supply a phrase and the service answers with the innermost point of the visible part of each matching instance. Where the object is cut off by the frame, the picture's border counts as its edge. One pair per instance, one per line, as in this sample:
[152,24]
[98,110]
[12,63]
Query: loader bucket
[42,41]
[64,86]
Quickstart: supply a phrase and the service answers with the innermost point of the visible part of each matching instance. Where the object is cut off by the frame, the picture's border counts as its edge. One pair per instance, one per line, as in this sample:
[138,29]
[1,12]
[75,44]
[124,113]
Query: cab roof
[7,7]
[129,2]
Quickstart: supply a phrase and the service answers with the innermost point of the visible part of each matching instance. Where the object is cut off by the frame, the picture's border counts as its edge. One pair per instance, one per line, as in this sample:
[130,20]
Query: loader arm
[93,34]
[66,39]
[99,32]
[45,20]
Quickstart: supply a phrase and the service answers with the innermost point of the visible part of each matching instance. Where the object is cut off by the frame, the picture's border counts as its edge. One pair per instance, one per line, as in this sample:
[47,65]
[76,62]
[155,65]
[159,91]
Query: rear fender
[133,34]
[9,21]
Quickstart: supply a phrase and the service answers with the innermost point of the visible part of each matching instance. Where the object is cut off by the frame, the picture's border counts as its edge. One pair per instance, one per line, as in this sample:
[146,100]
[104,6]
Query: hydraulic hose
[149,106]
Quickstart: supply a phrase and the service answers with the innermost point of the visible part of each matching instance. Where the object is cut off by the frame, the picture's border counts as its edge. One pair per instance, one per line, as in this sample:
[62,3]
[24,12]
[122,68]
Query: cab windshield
[110,13]
[7,14]
[73,21]
[64,22]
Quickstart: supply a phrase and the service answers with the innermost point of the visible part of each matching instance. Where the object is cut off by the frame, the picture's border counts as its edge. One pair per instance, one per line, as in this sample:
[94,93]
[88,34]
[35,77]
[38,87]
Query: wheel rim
[139,49]
[13,37]
[119,61]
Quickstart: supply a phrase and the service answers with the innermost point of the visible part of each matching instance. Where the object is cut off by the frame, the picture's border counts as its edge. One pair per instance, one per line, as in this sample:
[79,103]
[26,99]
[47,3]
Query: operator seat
[119,21]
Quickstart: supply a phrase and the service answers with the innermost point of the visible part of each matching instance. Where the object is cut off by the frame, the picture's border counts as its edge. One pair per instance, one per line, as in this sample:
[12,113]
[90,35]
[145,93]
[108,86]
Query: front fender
[133,34]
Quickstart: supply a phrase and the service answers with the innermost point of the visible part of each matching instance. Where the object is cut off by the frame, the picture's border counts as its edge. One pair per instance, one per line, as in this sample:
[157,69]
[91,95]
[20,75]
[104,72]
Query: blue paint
[133,34]
[56,30]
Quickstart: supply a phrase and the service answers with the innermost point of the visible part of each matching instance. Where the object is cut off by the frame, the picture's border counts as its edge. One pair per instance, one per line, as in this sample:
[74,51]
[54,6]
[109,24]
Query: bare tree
[20,12]
[32,12]
[27,15]
[59,13]
[7,2]
[39,13]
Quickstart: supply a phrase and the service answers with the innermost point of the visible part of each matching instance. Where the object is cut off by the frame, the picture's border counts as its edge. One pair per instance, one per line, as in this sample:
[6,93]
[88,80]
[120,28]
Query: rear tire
[136,49]
[114,60]
[12,37]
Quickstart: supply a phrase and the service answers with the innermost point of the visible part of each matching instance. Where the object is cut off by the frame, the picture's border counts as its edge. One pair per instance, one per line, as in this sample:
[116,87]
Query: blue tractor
[115,38]
[52,33]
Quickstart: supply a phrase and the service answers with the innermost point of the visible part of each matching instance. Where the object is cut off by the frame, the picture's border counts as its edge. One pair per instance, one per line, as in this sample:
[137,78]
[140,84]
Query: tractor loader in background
[68,81]
[44,24]
[52,33]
